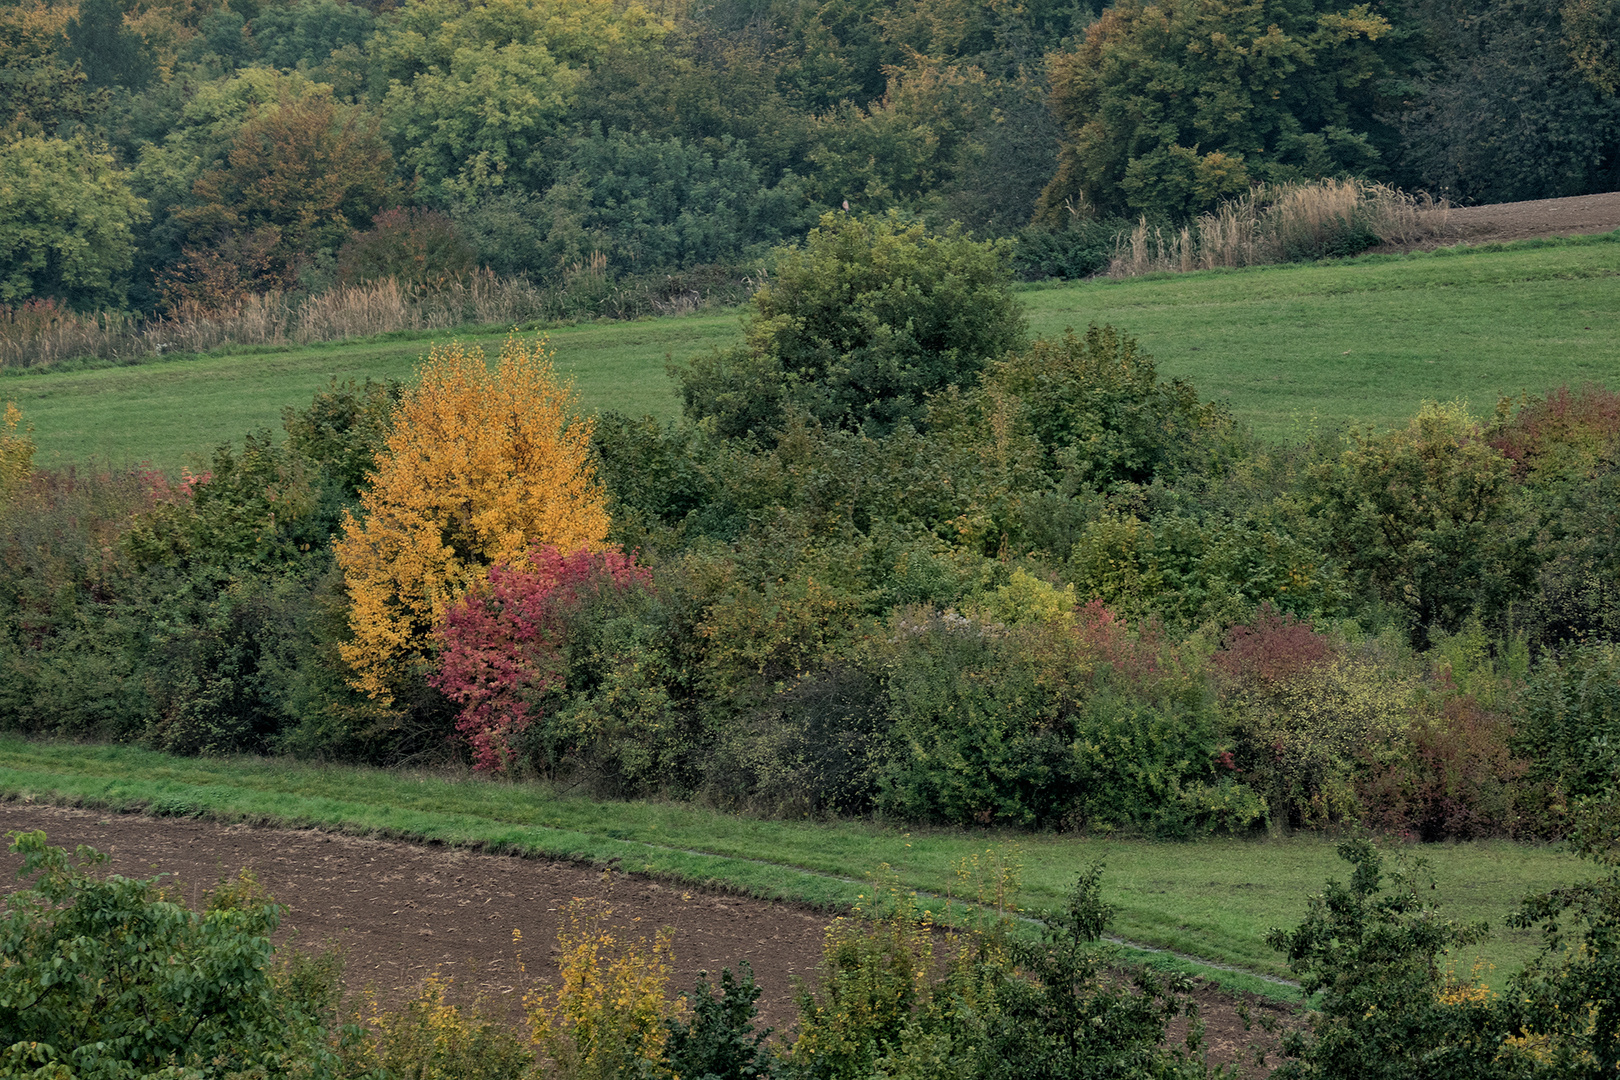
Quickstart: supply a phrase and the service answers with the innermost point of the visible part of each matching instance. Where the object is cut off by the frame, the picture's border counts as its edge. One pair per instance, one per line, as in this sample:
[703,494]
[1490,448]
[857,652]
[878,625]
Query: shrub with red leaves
[1102,637]
[1457,781]
[1270,650]
[1562,432]
[503,645]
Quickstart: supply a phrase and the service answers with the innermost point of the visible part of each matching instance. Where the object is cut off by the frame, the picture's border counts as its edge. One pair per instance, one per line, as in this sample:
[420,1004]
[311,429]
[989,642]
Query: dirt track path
[402,911]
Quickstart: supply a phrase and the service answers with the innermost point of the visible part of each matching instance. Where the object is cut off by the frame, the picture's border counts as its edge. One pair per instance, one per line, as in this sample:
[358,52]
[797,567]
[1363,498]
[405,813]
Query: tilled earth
[402,911]
[1541,217]
[1502,222]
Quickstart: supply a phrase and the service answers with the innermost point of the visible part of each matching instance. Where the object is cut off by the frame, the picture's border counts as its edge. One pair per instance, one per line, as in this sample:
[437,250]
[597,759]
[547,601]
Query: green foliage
[1511,109]
[1067,1016]
[109,53]
[1100,412]
[1567,1001]
[473,94]
[1169,109]
[108,977]
[1568,721]
[66,229]
[652,204]
[1373,953]
[1081,248]
[719,1042]
[1047,723]
[290,36]
[1424,518]
[857,327]
[872,978]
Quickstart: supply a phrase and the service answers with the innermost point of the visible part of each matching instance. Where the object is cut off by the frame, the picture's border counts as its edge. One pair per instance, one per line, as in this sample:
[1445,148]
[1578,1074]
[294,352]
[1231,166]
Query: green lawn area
[170,412]
[1212,899]
[1369,339]
[1287,346]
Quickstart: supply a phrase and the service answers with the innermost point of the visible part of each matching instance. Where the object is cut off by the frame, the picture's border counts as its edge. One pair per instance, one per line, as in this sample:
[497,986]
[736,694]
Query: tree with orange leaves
[481,467]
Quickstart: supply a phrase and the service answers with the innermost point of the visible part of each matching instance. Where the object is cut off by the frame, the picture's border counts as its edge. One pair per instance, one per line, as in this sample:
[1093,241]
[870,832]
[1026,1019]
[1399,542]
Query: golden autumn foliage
[481,465]
[16,450]
[607,1018]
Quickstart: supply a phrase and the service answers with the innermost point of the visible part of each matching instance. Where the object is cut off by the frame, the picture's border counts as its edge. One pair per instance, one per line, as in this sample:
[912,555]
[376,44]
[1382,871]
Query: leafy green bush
[1079,250]
[108,977]
[1424,519]
[1099,410]
[719,1042]
[857,327]
[1567,719]
[1372,951]
[1066,722]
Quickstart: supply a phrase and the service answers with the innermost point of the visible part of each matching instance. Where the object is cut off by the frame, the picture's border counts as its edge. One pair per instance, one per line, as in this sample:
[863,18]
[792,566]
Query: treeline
[898,560]
[165,153]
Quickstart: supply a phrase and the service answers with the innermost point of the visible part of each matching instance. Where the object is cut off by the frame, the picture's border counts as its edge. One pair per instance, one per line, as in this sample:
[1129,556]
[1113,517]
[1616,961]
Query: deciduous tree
[65,221]
[480,467]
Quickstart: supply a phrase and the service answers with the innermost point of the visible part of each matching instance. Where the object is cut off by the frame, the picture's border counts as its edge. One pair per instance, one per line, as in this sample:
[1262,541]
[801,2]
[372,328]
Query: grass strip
[1212,899]
[750,877]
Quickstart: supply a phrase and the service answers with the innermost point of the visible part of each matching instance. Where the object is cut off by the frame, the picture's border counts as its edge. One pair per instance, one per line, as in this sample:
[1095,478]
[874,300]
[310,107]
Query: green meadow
[1213,900]
[1288,347]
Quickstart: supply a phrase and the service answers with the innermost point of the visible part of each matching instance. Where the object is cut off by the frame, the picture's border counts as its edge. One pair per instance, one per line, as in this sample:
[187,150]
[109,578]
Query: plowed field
[403,911]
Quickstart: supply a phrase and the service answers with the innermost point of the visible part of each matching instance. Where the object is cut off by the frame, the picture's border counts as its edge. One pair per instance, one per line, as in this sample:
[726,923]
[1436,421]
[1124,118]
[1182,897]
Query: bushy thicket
[947,575]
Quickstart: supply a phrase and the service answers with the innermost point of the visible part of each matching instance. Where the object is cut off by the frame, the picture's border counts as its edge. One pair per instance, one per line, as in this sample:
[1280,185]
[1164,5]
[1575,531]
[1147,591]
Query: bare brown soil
[402,911]
[1501,222]
[1543,217]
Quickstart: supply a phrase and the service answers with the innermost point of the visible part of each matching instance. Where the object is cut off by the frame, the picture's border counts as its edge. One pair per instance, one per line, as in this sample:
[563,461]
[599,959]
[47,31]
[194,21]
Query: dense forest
[159,153]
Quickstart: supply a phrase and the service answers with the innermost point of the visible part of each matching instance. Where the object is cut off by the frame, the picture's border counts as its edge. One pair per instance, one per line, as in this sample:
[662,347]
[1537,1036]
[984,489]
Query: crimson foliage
[503,646]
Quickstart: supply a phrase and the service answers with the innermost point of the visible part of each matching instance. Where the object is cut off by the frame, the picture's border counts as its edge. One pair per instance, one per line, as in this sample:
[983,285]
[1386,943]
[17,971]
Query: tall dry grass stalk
[1283,223]
[39,333]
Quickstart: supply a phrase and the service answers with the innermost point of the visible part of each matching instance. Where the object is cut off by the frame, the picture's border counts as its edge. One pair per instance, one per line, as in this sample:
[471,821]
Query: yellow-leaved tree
[16,451]
[481,465]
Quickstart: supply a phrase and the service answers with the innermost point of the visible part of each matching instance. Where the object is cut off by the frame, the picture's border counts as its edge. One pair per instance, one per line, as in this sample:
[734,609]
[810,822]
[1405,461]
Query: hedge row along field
[902,560]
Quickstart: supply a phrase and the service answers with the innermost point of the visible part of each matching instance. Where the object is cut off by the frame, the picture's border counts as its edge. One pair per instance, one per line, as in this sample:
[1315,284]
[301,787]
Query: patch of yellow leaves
[480,467]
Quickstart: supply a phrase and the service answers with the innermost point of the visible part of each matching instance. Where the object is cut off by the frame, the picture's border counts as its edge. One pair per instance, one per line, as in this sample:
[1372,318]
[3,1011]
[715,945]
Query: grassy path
[1212,899]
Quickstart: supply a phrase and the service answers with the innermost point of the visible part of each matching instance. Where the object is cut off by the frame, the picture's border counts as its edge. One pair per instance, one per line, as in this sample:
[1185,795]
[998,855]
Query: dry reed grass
[40,333]
[1283,223]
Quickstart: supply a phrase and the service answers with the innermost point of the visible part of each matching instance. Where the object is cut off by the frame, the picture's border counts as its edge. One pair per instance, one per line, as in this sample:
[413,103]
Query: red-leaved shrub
[1103,638]
[1271,649]
[503,644]
[1564,430]
[1455,782]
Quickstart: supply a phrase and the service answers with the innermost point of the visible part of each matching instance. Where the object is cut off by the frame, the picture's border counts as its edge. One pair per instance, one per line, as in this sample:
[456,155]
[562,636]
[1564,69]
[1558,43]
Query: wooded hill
[170,152]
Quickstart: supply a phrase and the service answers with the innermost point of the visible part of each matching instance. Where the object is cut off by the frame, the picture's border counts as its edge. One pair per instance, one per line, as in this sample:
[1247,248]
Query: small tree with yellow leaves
[481,466]
[16,451]
[608,1017]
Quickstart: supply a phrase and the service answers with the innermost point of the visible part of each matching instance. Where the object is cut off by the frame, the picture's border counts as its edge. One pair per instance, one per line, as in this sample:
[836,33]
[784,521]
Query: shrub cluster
[898,560]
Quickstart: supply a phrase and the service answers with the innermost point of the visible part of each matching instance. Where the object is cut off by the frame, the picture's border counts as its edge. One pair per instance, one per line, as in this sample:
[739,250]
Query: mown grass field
[1288,347]
[1213,899]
